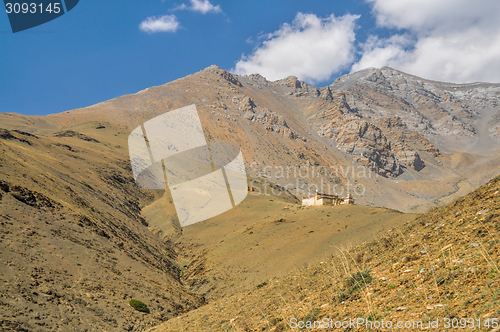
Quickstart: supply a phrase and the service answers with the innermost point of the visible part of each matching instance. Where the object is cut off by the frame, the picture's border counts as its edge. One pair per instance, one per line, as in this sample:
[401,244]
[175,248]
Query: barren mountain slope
[67,191]
[74,246]
[389,138]
[79,239]
[444,264]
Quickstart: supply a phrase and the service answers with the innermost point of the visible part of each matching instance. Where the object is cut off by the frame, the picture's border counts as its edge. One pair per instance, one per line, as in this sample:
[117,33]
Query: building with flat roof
[326,199]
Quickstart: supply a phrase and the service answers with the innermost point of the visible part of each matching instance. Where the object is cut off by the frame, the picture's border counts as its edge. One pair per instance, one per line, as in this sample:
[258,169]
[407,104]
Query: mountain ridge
[77,234]
[368,125]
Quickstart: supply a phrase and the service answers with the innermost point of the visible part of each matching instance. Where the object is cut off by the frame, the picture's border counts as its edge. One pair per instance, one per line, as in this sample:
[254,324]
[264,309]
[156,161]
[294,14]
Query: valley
[79,239]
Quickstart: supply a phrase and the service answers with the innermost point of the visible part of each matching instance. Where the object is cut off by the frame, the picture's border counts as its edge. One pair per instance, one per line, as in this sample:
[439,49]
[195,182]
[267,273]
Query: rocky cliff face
[386,119]
[383,145]
[270,120]
[430,107]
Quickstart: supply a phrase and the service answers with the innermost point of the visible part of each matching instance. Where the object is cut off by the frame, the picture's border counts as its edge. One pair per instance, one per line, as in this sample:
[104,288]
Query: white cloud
[447,40]
[428,15]
[166,23]
[380,52]
[201,6]
[311,48]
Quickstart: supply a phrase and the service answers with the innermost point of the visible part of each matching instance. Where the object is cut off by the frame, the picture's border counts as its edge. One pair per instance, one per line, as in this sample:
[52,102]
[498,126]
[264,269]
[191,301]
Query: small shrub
[372,317]
[185,265]
[353,284]
[139,306]
[342,297]
[358,280]
[262,284]
[490,217]
[359,258]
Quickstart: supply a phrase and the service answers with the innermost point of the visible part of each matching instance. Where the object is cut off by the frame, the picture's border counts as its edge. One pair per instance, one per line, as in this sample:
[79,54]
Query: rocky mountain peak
[257,79]
[404,116]
[214,69]
[290,81]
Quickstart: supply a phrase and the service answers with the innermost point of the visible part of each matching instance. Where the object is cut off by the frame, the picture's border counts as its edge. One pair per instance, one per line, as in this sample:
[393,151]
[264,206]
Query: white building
[325,199]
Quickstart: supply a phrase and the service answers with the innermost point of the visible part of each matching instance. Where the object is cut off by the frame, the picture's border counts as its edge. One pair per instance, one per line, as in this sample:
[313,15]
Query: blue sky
[101,50]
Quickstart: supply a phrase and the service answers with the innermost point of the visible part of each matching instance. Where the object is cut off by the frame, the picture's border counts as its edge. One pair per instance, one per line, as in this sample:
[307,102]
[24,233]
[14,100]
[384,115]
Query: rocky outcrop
[430,107]
[272,121]
[225,75]
[413,114]
[297,88]
[378,145]
[494,130]
[29,197]
[10,135]
[368,146]
[71,133]
[408,158]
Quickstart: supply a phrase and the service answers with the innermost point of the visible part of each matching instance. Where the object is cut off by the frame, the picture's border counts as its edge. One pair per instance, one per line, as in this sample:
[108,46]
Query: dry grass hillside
[267,236]
[74,247]
[444,264]
[79,239]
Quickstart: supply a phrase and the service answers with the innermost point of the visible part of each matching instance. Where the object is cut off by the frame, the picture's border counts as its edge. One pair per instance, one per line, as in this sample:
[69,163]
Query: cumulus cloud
[379,52]
[201,6]
[311,48]
[432,15]
[166,23]
[447,40]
